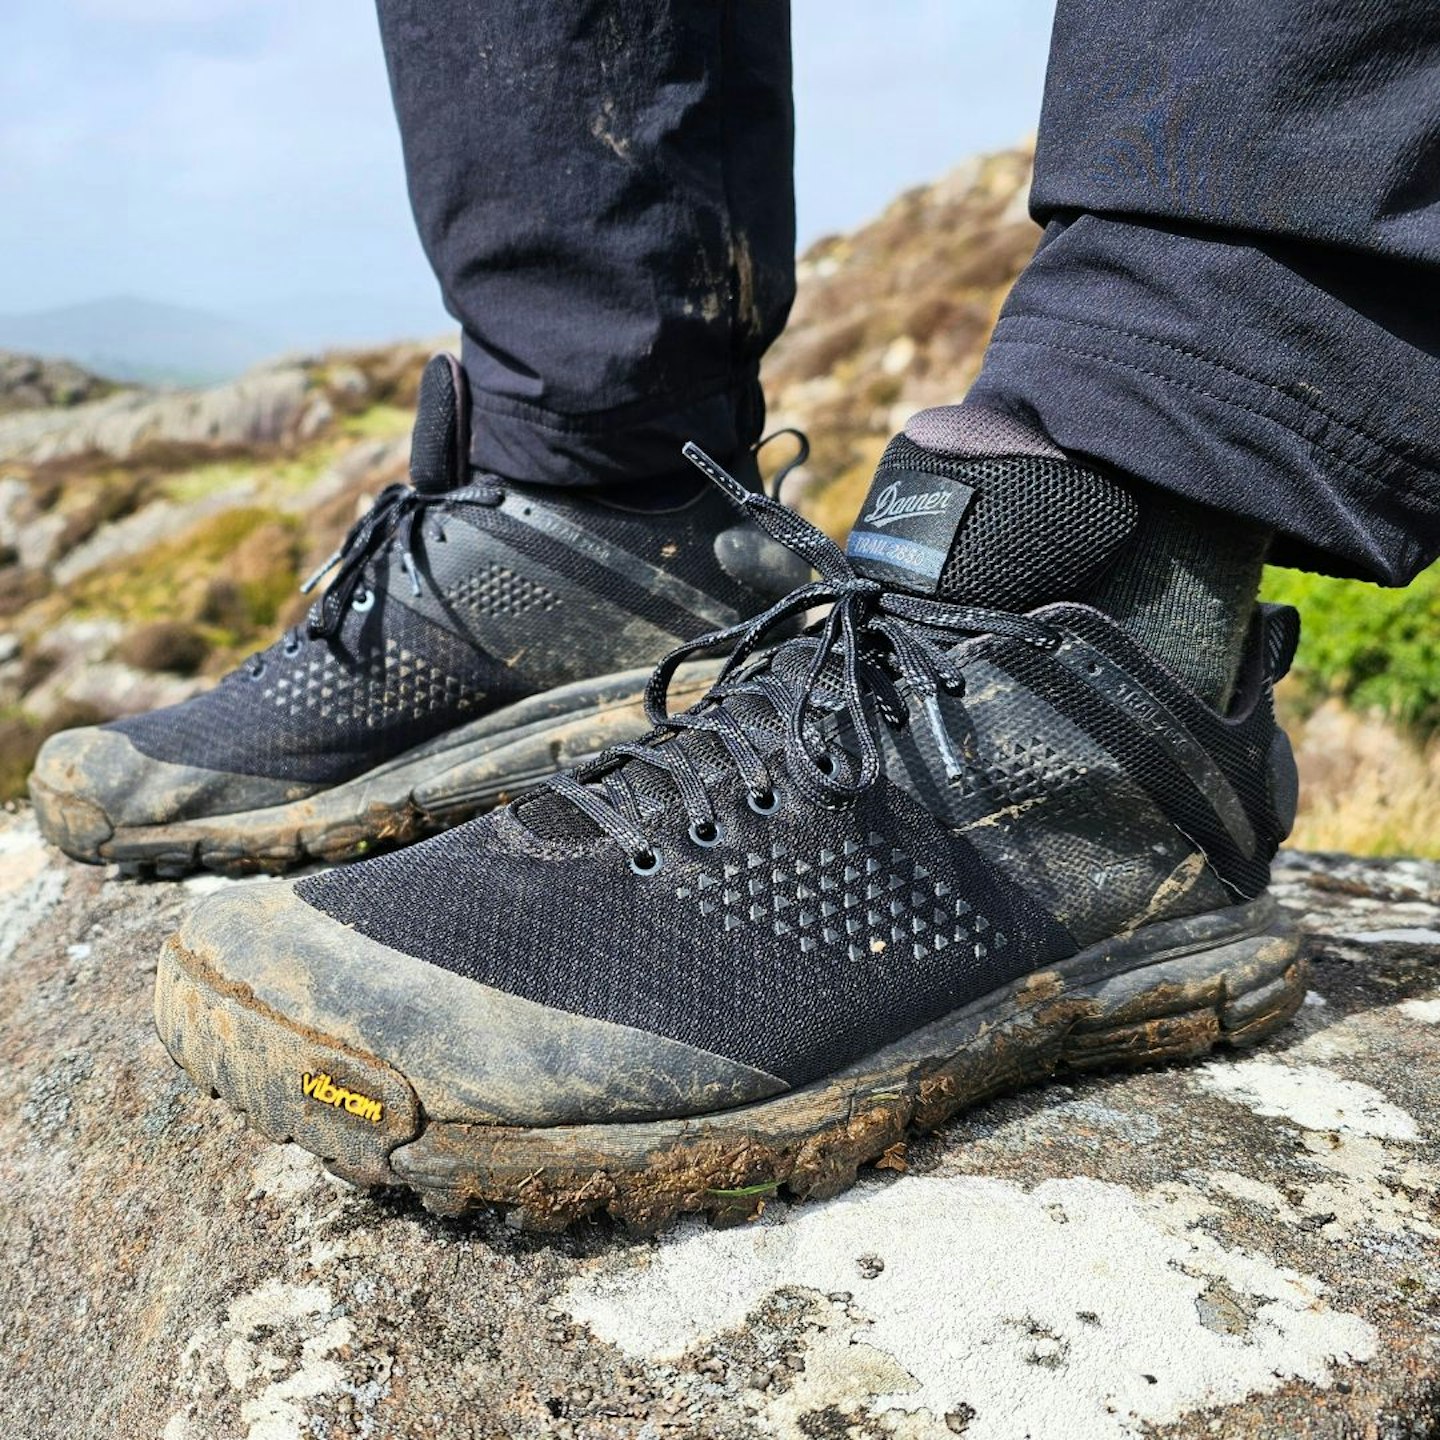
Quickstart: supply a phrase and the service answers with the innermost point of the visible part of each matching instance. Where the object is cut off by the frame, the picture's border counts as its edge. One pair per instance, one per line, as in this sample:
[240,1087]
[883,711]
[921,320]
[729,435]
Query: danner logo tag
[325,1091]
[892,504]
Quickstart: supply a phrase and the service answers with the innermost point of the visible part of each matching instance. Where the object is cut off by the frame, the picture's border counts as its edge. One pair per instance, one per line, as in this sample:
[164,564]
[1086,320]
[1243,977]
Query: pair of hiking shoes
[863,870]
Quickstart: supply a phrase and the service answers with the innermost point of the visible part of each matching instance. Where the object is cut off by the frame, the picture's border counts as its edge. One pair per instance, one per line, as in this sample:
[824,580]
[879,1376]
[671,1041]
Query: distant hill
[140,340]
[153,343]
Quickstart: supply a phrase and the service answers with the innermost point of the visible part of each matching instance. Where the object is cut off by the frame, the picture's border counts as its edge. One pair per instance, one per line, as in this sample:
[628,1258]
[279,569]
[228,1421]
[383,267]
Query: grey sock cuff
[972,432]
[1185,588]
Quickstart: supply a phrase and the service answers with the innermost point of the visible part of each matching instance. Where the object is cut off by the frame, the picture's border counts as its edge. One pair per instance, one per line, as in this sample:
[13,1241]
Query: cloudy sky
[240,155]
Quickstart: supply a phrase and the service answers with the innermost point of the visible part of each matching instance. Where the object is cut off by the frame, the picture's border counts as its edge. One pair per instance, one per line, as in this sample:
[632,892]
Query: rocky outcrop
[198,511]
[28,382]
[1243,1247]
[261,408]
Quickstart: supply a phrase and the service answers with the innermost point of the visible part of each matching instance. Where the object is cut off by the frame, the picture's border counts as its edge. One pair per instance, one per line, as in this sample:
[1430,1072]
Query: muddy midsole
[1173,990]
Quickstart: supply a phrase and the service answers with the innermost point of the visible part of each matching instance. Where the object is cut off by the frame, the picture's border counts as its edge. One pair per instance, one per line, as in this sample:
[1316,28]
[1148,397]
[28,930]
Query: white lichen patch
[1419,935]
[1078,1308]
[1425,1012]
[30,885]
[276,1350]
[1361,1188]
[284,1173]
[1310,1096]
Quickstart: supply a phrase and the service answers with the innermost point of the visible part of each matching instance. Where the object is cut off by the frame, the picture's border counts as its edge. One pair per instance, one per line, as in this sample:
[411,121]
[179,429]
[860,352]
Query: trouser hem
[637,441]
[1341,498]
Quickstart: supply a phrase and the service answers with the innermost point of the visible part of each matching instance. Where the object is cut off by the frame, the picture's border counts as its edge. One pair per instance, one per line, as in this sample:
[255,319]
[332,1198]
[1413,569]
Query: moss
[378,422]
[254,549]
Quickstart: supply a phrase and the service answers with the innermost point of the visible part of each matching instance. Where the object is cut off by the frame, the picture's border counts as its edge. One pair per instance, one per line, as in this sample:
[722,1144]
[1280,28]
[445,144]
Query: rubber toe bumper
[349,1047]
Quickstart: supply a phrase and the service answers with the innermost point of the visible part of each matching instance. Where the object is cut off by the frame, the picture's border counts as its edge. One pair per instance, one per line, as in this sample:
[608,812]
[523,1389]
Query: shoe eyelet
[647,862]
[766,802]
[291,648]
[825,764]
[256,672]
[364,601]
[1092,667]
[706,836]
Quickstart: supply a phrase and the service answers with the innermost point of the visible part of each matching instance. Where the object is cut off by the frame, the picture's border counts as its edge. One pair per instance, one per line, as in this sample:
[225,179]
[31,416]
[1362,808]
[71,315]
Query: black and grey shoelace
[391,520]
[874,642]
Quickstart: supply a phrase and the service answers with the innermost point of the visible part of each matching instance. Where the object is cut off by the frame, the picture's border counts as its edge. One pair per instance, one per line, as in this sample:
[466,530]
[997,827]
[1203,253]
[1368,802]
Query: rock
[152,524]
[1244,1247]
[348,381]
[33,539]
[28,382]
[109,688]
[261,408]
[316,416]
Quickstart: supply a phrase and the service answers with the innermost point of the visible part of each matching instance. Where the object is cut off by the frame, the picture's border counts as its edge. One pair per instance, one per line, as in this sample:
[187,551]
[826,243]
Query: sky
[241,155]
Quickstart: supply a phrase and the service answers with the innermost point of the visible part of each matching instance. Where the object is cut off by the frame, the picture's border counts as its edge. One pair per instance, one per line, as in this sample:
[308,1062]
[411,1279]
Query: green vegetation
[231,573]
[1374,648]
[379,422]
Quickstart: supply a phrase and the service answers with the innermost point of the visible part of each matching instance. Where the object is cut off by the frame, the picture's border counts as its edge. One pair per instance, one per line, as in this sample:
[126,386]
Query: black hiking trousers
[1236,298]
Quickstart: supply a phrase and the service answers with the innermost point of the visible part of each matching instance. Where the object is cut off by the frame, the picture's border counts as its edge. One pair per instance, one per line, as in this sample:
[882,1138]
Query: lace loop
[875,650]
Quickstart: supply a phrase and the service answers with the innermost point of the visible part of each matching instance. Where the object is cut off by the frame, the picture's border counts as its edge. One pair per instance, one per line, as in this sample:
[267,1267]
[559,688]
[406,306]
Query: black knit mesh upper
[804,940]
[331,710]
[810,938]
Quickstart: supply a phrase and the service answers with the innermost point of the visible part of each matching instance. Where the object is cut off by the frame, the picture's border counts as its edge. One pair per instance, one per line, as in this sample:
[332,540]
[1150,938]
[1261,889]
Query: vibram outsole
[1172,991]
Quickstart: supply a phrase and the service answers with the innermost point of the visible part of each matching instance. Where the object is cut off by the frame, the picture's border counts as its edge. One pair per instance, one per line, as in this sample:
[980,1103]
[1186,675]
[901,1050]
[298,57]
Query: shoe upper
[857,832]
[454,596]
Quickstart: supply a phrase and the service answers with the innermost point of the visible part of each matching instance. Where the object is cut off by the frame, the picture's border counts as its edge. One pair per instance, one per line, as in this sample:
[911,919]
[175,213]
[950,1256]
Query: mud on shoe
[474,636]
[922,853]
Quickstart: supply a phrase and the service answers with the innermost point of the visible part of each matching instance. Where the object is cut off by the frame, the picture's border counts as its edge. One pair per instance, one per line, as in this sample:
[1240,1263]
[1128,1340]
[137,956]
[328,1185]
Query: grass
[172,580]
[1363,705]
[378,422]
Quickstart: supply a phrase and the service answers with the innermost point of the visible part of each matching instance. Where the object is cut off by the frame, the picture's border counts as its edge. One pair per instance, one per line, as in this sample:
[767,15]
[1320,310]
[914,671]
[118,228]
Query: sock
[973,506]
[1185,587]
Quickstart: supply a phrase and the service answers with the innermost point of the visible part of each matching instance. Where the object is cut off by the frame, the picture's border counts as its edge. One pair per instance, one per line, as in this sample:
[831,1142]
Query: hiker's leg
[1238,295]
[605,192]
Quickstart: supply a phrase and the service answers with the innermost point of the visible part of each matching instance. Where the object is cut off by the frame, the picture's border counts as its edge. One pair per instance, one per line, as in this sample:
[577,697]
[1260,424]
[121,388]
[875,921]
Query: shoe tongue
[973,507]
[440,441]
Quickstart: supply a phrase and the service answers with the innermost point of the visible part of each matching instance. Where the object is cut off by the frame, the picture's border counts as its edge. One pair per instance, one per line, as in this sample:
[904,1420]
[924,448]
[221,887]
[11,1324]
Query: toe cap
[88,783]
[470,1052]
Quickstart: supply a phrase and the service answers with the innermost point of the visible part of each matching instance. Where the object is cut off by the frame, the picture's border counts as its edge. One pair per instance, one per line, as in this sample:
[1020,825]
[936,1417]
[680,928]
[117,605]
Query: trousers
[1236,296]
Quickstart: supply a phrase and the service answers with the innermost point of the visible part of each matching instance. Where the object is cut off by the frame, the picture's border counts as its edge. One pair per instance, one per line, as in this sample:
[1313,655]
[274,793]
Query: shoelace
[393,516]
[392,519]
[881,643]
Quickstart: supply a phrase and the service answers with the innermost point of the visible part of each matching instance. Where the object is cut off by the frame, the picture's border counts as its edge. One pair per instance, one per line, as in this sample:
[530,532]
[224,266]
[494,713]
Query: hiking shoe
[924,852]
[475,636]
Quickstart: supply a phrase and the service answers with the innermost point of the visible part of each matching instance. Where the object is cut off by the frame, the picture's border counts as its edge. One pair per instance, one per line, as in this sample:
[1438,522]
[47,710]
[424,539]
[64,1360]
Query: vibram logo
[322,1088]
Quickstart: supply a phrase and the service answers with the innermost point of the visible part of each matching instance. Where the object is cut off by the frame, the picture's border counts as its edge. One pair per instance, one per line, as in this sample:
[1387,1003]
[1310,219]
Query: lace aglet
[408,565]
[321,573]
[716,473]
[954,769]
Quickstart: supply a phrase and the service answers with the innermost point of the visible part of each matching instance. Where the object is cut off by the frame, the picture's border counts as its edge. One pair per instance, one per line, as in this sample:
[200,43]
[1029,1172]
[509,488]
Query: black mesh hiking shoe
[924,852]
[476,636]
